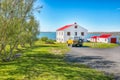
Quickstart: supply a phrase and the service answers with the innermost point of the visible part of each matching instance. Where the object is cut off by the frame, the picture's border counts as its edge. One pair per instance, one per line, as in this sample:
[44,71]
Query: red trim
[65,27]
[94,36]
[102,36]
[105,35]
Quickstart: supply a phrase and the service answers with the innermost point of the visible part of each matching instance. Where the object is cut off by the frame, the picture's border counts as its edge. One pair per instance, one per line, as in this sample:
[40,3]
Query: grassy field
[46,62]
[100,45]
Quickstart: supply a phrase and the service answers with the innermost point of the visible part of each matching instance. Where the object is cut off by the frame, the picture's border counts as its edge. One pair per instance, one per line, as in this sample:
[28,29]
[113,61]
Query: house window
[82,33]
[68,33]
[105,39]
[75,26]
[75,33]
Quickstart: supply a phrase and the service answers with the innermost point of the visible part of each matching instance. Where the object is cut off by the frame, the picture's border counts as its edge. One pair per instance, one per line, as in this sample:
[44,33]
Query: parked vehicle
[75,42]
[70,42]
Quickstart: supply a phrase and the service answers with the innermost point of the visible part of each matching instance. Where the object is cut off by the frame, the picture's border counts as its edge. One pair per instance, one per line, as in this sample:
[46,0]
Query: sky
[94,15]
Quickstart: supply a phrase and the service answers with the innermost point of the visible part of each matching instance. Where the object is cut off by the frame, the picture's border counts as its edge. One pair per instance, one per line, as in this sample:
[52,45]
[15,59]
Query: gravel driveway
[107,60]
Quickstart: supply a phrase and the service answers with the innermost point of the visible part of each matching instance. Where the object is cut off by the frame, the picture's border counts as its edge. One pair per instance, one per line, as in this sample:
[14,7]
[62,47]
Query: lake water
[52,35]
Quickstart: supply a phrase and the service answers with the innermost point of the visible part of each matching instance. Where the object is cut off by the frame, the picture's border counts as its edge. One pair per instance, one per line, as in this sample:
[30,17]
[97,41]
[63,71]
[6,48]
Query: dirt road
[107,60]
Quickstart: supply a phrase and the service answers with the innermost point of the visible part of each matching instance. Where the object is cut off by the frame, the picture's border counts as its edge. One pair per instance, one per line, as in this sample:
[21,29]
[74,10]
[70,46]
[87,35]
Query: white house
[105,38]
[67,31]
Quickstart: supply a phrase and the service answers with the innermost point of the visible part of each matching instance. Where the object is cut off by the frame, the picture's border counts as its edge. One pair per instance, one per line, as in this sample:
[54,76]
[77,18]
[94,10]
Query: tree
[32,30]
[18,25]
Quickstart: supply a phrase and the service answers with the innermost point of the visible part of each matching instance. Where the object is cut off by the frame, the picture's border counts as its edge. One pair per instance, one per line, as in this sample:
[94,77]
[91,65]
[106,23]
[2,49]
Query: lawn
[100,45]
[46,62]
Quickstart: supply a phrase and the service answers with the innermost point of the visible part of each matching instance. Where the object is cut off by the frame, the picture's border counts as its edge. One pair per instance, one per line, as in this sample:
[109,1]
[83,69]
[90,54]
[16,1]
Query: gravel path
[107,60]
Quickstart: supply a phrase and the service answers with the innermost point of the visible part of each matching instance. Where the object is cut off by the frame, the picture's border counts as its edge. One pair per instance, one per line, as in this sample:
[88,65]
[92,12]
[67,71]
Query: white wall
[61,36]
[103,40]
[93,40]
[118,39]
[72,30]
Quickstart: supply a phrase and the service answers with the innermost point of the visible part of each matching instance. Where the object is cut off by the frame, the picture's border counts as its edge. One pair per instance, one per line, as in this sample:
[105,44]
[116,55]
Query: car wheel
[72,45]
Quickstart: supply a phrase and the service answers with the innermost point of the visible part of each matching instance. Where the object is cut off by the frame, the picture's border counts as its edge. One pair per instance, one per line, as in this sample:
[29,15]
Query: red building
[105,38]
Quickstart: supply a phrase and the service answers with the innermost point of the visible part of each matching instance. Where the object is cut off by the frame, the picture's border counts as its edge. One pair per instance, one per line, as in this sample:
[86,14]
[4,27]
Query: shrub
[44,39]
[50,41]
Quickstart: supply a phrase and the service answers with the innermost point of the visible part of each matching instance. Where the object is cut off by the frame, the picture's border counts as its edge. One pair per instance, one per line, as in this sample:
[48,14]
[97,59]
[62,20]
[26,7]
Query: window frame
[68,33]
[82,33]
[76,33]
[76,27]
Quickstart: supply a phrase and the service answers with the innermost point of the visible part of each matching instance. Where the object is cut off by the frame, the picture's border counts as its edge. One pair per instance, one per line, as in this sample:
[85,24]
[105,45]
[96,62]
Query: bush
[50,41]
[44,39]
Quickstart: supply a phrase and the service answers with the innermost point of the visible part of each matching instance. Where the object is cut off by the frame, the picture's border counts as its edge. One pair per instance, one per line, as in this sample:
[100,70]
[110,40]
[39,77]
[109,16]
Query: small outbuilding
[105,38]
[93,39]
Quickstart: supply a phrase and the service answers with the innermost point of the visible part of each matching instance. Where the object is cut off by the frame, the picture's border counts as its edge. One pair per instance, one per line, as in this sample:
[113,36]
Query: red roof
[65,27]
[105,35]
[102,36]
[94,36]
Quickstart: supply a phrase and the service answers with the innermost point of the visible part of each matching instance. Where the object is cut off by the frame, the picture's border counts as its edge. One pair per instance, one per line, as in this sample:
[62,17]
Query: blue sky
[94,15]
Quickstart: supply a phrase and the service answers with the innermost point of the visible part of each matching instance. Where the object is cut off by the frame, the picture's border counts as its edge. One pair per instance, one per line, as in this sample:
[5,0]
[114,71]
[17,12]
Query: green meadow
[46,62]
[100,45]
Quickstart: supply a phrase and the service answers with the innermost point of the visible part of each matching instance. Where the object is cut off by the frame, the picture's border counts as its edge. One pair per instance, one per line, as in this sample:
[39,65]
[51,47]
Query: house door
[113,40]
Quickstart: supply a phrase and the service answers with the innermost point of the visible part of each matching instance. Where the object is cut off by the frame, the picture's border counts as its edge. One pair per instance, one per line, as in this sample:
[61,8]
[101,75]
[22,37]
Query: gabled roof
[105,35]
[102,36]
[65,27]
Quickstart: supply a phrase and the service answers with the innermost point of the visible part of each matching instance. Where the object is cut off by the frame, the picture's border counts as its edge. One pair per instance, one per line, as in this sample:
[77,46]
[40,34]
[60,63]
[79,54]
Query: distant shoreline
[113,33]
[89,32]
[45,31]
[106,32]
[52,35]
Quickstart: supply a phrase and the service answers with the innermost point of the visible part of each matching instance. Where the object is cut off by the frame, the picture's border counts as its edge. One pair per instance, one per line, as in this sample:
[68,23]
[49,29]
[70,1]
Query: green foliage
[40,62]
[17,25]
[47,41]
[50,41]
[44,39]
[100,45]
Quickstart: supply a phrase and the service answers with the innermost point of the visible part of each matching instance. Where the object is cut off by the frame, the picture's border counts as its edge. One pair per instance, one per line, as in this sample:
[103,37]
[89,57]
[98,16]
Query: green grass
[45,62]
[100,45]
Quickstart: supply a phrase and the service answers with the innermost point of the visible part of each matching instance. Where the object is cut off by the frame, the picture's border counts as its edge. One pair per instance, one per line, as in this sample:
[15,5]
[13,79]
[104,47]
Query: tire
[80,45]
[73,45]
[68,44]
[76,45]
